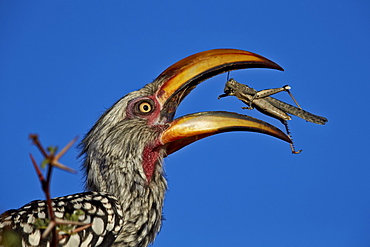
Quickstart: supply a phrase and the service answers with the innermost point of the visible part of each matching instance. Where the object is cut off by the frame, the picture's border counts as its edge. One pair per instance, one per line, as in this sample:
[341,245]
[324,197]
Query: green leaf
[52,149]
[10,238]
[44,163]
[41,223]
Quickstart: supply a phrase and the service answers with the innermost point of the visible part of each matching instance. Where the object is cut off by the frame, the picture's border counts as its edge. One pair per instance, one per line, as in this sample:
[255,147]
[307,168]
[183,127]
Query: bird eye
[145,107]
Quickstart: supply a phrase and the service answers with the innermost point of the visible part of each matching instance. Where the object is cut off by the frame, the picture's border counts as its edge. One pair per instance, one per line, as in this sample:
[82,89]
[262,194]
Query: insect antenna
[228,76]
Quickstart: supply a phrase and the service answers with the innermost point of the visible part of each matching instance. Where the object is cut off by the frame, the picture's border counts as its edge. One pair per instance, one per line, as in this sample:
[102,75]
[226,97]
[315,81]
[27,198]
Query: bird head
[130,139]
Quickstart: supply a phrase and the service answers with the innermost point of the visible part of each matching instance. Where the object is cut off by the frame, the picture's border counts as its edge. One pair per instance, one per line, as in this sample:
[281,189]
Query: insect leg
[291,95]
[269,92]
[288,133]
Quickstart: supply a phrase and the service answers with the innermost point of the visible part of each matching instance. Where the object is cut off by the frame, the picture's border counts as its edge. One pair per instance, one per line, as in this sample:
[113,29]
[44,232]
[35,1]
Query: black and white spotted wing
[100,209]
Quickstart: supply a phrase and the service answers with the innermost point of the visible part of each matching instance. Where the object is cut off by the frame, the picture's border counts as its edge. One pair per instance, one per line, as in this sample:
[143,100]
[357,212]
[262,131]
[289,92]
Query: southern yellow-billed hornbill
[123,155]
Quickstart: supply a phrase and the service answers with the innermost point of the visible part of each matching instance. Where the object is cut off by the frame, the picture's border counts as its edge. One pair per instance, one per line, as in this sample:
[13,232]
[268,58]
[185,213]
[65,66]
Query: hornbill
[123,153]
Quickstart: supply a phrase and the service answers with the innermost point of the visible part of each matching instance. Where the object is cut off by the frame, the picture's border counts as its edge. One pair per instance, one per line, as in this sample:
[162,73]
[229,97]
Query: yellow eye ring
[145,107]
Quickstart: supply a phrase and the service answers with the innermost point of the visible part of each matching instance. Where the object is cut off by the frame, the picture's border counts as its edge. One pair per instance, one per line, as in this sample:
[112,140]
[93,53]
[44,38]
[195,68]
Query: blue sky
[63,63]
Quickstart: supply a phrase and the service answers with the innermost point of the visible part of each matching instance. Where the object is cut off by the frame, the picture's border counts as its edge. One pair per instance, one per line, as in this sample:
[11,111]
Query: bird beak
[182,77]
[190,128]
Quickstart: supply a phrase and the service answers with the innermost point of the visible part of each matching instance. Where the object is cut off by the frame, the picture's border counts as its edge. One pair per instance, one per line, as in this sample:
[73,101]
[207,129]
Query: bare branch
[38,171]
[36,142]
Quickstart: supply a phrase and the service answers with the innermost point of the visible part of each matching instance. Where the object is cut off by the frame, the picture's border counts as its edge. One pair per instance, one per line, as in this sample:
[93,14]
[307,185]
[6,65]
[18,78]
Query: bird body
[123,156]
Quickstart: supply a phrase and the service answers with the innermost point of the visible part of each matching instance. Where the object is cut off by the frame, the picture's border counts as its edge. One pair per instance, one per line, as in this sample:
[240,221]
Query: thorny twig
[52,160]
[83,227]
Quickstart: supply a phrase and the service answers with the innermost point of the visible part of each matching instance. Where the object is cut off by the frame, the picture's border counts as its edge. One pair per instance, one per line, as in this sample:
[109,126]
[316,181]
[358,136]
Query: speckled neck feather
[119,160]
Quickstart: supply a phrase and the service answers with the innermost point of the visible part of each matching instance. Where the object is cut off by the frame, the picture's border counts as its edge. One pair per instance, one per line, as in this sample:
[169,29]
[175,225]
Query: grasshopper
[269,105]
